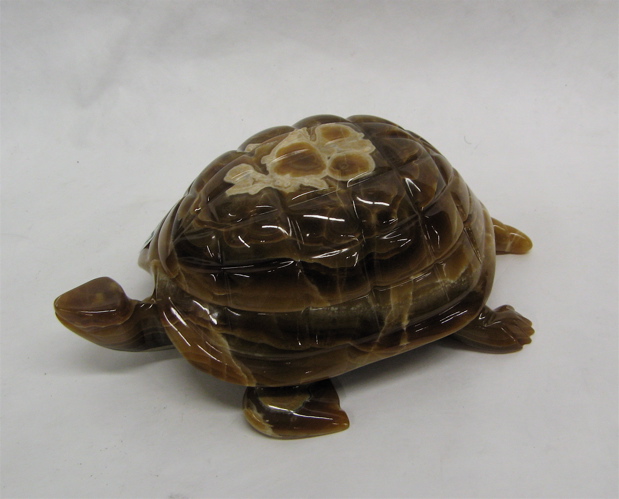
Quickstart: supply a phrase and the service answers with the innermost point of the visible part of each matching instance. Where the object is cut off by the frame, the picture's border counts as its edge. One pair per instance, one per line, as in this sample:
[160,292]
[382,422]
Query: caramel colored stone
[298,160]
[349,165]
[100,311]
[295,411]
[310,251]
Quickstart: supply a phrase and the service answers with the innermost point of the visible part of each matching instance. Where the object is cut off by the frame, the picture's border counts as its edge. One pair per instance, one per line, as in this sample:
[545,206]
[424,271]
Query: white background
[110,109]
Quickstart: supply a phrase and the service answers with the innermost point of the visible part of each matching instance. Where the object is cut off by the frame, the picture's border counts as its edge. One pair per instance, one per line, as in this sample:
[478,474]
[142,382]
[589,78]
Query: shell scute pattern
[443,226]
[379,219]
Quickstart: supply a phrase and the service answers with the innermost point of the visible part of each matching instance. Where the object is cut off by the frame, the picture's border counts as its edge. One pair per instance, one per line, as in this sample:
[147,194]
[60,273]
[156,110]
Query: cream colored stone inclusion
[335,150]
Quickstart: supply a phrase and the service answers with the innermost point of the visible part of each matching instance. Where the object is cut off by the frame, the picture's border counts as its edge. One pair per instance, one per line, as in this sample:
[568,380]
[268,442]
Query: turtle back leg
[101,312]
[509,239]
[499,330]
[298,411]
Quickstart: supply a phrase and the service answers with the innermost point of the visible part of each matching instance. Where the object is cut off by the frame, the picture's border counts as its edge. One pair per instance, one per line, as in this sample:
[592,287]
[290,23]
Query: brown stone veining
[310,251]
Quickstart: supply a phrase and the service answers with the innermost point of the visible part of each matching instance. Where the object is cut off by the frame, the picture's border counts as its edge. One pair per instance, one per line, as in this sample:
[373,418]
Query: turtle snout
[96,304]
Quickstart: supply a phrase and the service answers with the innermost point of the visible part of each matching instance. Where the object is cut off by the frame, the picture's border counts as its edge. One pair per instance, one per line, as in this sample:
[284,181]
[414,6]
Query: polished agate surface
[310,251]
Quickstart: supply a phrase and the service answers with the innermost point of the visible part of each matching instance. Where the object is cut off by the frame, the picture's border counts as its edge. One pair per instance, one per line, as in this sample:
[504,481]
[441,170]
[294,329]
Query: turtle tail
[508,239]
[101,312]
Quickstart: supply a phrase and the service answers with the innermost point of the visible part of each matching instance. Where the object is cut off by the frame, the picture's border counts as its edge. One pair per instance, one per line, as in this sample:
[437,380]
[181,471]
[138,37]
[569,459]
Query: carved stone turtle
[310,251]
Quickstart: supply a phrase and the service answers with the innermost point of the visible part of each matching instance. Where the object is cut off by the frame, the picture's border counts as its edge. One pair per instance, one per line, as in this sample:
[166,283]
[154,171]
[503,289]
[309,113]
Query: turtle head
[99,311]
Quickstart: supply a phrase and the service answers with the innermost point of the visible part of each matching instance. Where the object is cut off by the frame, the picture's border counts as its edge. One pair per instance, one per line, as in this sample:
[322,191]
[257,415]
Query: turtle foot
[499,330]
[101,312]
[295,411]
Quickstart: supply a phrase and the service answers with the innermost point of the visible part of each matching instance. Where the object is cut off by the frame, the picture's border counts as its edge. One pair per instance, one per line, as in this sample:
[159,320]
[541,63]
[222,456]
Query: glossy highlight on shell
[308,252]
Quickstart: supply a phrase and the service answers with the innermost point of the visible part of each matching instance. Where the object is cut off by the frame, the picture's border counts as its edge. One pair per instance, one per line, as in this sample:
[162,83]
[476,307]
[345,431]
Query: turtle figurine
[308,252]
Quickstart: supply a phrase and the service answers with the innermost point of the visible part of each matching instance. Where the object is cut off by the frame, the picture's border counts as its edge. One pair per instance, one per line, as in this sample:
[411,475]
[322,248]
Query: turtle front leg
[101,312]
[499,330]
[298,411]
[509,239]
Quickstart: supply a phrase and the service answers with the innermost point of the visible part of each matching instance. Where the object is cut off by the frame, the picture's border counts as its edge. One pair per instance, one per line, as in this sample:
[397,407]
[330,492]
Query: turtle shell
[315,249]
